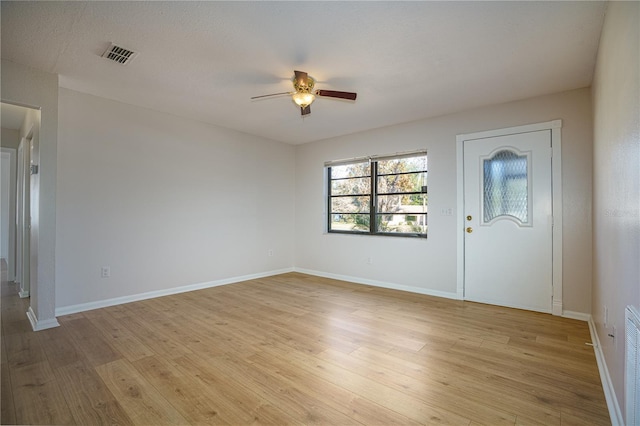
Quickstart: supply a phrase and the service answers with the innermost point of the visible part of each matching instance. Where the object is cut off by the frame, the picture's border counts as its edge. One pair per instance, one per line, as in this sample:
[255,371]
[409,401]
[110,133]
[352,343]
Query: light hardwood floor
[297,349]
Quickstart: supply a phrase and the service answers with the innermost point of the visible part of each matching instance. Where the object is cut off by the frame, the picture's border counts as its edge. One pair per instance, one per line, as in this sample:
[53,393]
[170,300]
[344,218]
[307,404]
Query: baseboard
[23,294]
[38,325]
[392,286]
[72,309]
[576,315]
[609,392]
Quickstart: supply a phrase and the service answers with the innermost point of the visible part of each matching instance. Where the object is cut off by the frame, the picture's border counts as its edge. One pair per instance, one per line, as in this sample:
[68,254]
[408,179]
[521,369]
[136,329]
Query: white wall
[429,265]
[164,201]
[10,138]
[616,201]
[27,86]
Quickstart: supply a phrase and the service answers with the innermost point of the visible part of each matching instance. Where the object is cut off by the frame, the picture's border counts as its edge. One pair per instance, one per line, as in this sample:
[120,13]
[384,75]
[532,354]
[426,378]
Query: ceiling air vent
[119,54]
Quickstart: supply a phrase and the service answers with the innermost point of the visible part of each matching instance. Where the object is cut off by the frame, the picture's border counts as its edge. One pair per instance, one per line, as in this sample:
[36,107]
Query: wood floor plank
[297,405]
[383,395]
[88,398]
[195,402]
[468,384]
[298,349]
[139,399]
[500,367]
[204,400]
[576,417]
[89,340]
[37,396]
[7,409]
[23,348]
[153,337]
[59,347]
[431,393]
[119,336]
[360,409]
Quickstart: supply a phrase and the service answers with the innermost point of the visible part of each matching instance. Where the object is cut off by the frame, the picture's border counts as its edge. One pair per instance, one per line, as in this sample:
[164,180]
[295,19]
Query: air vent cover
[119,54]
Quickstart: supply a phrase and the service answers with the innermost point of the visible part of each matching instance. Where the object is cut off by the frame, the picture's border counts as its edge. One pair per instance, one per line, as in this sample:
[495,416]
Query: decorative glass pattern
[506,189]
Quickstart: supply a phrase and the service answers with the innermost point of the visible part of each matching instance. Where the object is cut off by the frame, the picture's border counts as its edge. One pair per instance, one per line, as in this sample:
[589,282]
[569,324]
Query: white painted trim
[607,385]
[555,127]
[40,325]
[23,294]
[556,307]
[556,212]
[581,316]
[375,283]
[460,219]
[547,125]
[72,309]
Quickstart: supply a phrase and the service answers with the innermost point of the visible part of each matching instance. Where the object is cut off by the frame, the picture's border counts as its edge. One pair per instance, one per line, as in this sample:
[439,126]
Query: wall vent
[119,54]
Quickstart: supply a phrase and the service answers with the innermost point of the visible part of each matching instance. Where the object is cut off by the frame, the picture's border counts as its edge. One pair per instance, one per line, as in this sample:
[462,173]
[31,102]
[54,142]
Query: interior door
[508,220]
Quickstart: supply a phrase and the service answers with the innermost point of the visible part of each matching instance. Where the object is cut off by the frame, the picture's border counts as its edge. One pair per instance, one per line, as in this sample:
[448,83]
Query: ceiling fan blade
[336,94]
[301,78]
[272,94]
[306,110]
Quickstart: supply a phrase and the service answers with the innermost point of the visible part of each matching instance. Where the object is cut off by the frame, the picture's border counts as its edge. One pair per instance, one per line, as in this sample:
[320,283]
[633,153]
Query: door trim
[555,127]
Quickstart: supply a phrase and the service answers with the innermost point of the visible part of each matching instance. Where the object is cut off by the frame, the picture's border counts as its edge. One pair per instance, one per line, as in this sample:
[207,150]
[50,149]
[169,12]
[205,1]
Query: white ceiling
[406,60]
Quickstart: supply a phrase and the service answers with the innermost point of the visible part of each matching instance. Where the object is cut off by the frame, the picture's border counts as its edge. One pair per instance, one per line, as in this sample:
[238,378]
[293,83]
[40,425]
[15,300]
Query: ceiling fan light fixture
[303,99]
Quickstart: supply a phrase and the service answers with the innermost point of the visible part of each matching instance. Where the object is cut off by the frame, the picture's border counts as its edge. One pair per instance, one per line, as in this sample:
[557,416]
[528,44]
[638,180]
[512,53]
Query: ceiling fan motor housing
[303,88]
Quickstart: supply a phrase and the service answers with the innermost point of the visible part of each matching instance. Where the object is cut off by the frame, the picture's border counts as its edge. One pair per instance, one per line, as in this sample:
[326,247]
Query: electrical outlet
[105,272]
[369,261]
[446,212]
[270,252]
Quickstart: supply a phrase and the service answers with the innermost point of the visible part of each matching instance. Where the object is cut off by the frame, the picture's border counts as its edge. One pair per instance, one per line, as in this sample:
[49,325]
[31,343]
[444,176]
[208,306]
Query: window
[383,195]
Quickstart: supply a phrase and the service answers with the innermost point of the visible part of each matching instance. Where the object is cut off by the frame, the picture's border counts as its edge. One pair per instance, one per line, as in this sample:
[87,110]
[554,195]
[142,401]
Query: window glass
[384,197]
[505,186]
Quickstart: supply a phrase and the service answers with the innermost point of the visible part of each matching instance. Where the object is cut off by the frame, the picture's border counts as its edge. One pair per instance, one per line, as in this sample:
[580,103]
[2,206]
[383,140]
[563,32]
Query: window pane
[412,182]
[350,204]
[505,186]
[350,222]
[416,203]
[402,223]
[402,165]
[351,186]
[397,199]
[351,170]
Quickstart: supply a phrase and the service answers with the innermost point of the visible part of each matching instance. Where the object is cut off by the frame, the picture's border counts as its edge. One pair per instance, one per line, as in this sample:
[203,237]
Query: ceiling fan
[304,95]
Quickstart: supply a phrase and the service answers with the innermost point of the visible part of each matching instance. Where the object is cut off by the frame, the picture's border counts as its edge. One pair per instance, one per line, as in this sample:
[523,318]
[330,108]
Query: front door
[508,220]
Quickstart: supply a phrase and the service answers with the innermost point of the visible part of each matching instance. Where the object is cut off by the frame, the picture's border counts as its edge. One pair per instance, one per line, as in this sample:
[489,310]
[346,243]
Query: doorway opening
[20,132]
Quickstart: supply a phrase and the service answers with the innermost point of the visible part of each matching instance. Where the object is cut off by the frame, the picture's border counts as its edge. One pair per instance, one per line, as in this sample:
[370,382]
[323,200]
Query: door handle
[469,230]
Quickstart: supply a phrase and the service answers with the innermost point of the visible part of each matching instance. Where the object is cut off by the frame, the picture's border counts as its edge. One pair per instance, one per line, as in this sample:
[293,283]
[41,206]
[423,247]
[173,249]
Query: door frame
[555,127]
[23,214]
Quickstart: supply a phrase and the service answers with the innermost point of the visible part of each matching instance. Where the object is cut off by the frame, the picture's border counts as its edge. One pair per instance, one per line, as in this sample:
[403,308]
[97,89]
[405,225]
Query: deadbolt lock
[469,217]
[469,230]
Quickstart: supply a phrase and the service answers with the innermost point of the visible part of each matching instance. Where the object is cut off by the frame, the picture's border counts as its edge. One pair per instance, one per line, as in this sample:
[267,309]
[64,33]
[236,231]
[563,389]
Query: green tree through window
[383,196]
